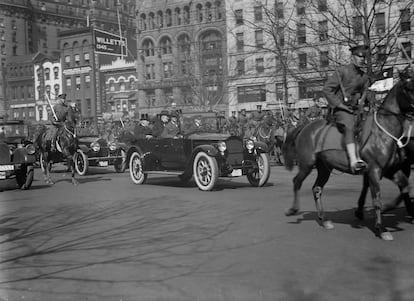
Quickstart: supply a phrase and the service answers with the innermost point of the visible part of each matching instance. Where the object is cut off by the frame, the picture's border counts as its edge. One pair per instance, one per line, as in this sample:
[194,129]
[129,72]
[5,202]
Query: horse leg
[359,212]
[324,173]
[374,184]
[71,164]
[46,168]
[304,171]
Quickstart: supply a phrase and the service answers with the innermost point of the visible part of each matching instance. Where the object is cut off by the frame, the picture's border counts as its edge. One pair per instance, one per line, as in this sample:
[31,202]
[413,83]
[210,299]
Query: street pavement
[108,239]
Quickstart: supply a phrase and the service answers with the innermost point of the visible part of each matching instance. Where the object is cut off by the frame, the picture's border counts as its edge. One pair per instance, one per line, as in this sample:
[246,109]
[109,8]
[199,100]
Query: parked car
[96,151]
[202,153]
[17,153]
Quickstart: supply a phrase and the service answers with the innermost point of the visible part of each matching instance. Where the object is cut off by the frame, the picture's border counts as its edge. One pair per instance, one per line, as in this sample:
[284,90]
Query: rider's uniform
[61,111]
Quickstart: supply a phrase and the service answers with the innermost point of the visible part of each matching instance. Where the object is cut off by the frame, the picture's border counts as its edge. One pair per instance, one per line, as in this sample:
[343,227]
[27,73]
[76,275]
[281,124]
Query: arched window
[184,44]
[111,85]
[168,17]
[131,83]
[47,74]
[66,46]
[151,24]
[56,90]
[199,12]
[143,22]
[165,45]
[177,16]
[121,85]
[47,89]
[148,47]
[85,43]
[75,45]
[218,13]
[186,15]
[160,19]
[209,13]
[56,72]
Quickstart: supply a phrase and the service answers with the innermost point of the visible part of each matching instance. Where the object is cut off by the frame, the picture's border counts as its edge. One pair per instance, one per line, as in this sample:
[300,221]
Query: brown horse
[67,145]
[379,149]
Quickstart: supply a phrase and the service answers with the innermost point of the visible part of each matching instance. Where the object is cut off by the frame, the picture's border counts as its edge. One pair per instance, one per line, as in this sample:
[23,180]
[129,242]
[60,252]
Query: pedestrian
[343,91]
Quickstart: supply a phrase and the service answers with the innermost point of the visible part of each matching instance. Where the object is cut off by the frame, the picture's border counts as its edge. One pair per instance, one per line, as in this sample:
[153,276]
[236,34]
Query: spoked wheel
[81,162]
[24,177]
[120,164]
[135,169]
[205,171]
[259,175]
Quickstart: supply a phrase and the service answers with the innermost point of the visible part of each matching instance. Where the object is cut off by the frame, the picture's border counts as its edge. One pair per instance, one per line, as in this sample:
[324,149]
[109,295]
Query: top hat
[164,112]
[359,50]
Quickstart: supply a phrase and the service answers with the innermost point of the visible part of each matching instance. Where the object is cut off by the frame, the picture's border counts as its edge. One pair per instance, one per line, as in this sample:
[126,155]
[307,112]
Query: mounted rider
[60,110]
[344,90]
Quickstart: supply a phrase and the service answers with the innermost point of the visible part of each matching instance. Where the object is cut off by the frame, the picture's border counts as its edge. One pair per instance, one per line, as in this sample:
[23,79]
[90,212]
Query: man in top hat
[343,91]
[159,125]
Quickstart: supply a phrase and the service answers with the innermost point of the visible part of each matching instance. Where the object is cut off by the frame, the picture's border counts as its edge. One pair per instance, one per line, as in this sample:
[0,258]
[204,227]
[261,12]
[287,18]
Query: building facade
[181,58]
[120,89]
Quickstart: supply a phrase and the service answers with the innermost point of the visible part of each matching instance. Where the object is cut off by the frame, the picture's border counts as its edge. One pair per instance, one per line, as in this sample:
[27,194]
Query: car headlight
[249,144]
[112,146]
[95,146]
[30,148]
[221,145]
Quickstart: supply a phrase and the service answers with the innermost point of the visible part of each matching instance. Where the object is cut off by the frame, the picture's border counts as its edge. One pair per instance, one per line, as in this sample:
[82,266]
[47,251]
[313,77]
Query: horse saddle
[329,137]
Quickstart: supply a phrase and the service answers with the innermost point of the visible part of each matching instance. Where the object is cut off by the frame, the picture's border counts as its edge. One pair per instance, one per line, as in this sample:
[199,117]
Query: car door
[172,153]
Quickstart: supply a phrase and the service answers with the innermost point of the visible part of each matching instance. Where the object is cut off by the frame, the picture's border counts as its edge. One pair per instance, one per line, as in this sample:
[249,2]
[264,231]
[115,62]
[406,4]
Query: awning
[124,95]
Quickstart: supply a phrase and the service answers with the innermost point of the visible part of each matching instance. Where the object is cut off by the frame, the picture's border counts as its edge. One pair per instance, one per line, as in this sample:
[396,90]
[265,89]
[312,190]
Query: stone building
[181,58]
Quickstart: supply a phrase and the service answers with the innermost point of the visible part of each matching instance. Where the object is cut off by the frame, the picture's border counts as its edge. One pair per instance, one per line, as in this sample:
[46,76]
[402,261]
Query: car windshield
[199,123]
[14,130]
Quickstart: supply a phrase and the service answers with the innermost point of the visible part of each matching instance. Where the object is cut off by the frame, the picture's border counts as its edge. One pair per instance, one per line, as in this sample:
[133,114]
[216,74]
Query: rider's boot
[356,164]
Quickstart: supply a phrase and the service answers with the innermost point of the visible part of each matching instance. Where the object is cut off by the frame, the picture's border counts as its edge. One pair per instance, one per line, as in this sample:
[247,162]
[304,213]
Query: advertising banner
[109,43]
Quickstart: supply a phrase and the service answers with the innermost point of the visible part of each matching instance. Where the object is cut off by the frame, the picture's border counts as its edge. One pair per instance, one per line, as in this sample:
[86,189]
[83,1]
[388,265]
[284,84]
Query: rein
[398,140]
[262,135]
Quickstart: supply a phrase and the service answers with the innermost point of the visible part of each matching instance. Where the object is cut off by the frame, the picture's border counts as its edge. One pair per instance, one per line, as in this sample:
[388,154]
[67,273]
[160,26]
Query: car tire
[135,169]
[120,164]
[81,162]
[205,171]
[24,177]
[259,176]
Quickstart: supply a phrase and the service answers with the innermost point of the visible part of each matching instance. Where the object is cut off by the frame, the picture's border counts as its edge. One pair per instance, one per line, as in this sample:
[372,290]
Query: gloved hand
[345,108]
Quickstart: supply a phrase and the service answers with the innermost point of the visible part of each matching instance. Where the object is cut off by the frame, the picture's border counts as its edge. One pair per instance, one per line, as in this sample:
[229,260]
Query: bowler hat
[359,50]
[164,112]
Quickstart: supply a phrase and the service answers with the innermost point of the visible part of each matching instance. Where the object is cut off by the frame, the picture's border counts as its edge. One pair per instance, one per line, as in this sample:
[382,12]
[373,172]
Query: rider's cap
[359,50]
[62,96]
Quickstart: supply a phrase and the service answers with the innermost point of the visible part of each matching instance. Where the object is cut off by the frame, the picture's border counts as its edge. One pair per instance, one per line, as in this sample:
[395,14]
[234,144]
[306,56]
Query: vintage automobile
[96,151]
[203,153]
[17,154]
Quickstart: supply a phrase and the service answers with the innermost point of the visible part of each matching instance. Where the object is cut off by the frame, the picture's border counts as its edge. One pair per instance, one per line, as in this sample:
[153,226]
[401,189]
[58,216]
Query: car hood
[4,153]
[208,136]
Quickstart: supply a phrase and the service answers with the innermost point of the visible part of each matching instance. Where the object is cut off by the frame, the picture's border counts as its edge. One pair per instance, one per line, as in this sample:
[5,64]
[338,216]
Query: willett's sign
[109,43]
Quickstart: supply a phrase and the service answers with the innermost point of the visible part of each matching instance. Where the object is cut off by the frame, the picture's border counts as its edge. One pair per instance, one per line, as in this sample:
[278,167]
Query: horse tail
[289,147]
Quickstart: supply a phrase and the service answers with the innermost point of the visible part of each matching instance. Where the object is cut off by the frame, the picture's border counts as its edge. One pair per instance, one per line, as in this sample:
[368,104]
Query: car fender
[208,149]
[122,145]
[84,148]
[261,147]
[20,155]
[132,149]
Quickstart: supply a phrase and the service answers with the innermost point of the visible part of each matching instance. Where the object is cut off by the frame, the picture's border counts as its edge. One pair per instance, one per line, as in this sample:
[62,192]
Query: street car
[17,154]
[204,154]
[96,151]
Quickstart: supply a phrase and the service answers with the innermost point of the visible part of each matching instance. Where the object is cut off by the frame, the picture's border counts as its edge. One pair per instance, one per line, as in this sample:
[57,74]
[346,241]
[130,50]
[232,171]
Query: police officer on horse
[60,112]
[343,91]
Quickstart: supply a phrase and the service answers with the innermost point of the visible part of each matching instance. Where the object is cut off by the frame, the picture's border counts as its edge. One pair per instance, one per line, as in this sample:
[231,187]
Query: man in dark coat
[172,128]
[142,129]
[159,125]
[343,91]
[61,111]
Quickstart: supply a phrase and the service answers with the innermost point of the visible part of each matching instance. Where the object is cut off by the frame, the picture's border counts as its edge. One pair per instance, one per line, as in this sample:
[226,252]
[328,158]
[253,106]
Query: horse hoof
[75,183]
[291,211]
[359,215]
[387,236]
[328,225]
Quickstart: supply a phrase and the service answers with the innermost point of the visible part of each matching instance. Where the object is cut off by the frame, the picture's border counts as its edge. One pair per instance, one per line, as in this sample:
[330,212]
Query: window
[323,30]
[56,90]
[405,23]
[149,71]
[121,85]
[406,54]
[382,54]
[259,38]
[311,89]
[240,41]
[131,83]
[324,58]
[56,72]
[111,85]
[279,12]
[86,57]
[67,61]
[184,44]
[239,16]
[209,12]
[78,82]
[168,17]
[300,7]
[47,74]
[301,33]
[357,25]
[322,5]
[199,13]
[177,16]
[240,67]
[280,92]
[77,60]
[187,15]
[148,46]
[259,65]
[160,19]
[47,90]
[185,67]
[302,60]
[166,45]
[380,22]
[68,81]
[87,80]
[251,93]
[258,15]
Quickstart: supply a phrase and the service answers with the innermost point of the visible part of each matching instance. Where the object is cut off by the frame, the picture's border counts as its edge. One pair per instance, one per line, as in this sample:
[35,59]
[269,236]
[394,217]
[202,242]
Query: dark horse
[379,149]
[66,149]
[265,131]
